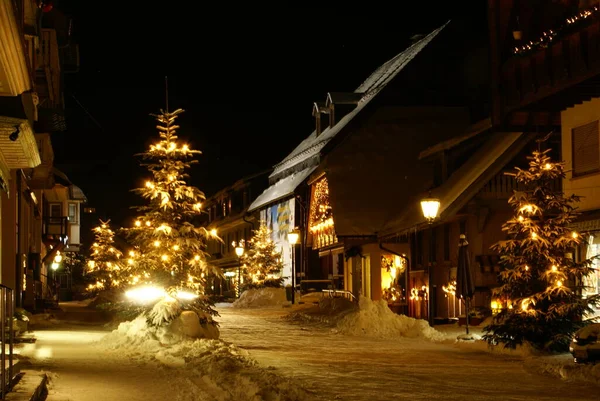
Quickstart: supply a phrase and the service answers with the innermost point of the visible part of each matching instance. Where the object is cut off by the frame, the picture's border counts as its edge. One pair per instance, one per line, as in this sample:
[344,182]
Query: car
[585,346]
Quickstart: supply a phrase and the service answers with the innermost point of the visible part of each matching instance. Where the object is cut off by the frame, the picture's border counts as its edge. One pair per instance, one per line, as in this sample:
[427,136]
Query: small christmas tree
[262,261]
[105,264]
[170,246]
[541,282]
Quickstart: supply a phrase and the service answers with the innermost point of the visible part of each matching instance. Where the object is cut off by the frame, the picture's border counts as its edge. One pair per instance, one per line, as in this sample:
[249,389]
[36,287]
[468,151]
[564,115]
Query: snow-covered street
[295,361]
[356,368]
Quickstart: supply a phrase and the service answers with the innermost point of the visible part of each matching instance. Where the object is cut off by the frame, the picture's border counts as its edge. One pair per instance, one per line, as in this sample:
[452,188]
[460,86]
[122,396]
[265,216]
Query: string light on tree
[538,274]
[105,263]
[261,261]
[172,246]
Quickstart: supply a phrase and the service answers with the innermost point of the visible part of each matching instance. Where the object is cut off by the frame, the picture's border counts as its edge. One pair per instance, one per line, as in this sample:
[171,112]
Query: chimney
[318,110]
[339,104]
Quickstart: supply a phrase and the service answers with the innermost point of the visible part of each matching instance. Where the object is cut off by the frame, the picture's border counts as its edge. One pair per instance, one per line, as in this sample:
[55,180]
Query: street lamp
[430,207]
[293,237]
[239,251]
[54,266]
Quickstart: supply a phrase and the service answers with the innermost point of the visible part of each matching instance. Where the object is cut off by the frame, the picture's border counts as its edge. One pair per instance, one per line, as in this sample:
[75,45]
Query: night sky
[246,81]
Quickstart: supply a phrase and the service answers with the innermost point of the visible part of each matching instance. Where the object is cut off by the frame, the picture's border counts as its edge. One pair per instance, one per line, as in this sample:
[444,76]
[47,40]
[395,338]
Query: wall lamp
[15,135]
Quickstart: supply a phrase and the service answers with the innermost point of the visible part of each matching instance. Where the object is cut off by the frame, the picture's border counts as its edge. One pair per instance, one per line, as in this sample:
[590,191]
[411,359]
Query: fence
[7,312]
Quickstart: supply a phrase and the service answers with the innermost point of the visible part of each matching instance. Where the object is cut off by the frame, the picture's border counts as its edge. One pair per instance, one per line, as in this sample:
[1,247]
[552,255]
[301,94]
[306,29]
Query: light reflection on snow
[69,336]
[43,352]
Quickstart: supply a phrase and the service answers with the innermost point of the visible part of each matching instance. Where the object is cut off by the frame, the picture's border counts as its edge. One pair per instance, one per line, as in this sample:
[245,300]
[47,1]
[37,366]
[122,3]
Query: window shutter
[586,149]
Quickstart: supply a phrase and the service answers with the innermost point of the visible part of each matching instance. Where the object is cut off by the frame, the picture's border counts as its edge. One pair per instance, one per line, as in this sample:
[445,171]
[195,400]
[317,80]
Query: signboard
[279,218]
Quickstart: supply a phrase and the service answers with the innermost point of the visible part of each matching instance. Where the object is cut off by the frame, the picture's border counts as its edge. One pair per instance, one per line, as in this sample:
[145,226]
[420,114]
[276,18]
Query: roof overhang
[14,73]
[463,184]
[284,188]
[18,147]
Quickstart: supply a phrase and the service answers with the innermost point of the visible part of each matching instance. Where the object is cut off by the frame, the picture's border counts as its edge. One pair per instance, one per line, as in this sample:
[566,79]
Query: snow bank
[521,351]
[42,320]
[564,367]
[375,319]
[213,366]
[262,297]
[321,310]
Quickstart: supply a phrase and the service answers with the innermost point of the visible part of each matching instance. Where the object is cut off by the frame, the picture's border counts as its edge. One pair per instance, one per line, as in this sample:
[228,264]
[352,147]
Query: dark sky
[245,77]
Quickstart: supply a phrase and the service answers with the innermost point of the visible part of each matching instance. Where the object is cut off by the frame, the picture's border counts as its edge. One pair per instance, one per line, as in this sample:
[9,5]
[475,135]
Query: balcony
[502,186]
[55,229]
[49,73]
[571,61]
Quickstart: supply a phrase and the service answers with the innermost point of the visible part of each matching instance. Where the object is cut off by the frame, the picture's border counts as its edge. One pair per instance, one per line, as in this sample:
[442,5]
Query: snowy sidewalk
[80,371]
[86,362]
[358,368]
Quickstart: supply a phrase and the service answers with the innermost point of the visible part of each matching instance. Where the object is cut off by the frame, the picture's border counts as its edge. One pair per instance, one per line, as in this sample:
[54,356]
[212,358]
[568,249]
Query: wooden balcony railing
[48,75]
[55,228]
[567,61]
[502,186]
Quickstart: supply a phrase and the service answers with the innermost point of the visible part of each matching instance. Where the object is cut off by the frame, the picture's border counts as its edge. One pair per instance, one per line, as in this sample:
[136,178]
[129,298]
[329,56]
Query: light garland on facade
[549,36]
[321,223]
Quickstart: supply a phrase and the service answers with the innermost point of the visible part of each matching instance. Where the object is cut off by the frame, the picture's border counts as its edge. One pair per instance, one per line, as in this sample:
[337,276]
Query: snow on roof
[76,193]
[281,188]
[312,145]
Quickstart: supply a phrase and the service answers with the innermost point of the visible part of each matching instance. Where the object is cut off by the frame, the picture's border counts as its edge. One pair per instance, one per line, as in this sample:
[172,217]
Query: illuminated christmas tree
[104,264]
[170,248]
[541,282]
[262,261]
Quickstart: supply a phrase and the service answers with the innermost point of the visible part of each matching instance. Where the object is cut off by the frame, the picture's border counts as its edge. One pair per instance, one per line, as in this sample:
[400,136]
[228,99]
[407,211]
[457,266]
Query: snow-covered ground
[297,353]
[372,362]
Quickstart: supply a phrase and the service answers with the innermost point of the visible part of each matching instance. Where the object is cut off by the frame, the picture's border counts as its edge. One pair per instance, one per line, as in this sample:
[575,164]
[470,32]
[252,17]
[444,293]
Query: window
[586,149]
[55,210]
[73,212]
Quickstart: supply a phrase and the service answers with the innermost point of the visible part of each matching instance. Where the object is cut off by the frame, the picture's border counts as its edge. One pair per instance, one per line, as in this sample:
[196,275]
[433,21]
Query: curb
[30,387]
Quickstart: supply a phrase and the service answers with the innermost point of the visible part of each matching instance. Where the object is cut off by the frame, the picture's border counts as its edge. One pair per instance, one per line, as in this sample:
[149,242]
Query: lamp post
[54,266]
[430,207]
[239,251]
[293,237]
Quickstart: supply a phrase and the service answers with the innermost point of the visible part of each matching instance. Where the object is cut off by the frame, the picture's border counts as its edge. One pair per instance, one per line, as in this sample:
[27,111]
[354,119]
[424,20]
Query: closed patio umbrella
[465,286]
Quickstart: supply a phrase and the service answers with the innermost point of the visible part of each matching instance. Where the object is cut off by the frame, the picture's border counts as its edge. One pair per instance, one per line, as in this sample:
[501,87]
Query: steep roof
[313,144]
[305,157]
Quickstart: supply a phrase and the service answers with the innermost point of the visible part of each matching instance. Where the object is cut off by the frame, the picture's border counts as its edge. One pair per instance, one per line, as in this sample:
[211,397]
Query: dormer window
[339,104]
[318,110]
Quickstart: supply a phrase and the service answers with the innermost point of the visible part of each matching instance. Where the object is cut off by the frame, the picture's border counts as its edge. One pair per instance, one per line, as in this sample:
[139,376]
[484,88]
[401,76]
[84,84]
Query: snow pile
[262,297]
[327,311]
[563,366]
[212,369]
[375,319]
[42,320]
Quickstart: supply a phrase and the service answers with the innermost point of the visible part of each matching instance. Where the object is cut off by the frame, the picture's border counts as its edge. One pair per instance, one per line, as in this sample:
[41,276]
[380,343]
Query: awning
[281,189]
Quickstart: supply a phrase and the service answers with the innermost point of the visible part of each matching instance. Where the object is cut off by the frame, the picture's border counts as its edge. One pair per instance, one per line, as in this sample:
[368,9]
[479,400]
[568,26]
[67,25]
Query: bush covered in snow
[262,297]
